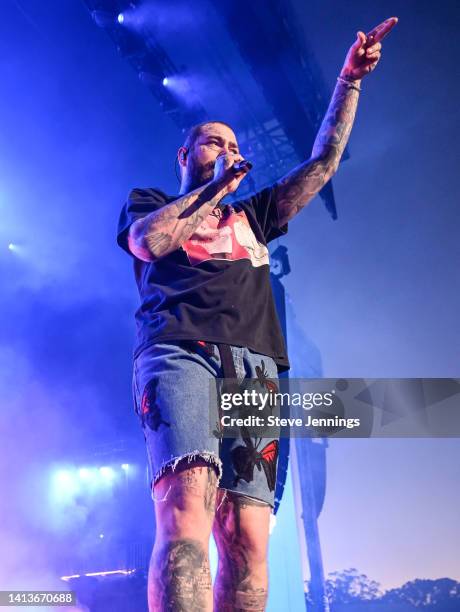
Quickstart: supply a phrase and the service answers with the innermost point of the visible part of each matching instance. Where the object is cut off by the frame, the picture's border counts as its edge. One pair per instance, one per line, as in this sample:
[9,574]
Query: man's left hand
[364,54]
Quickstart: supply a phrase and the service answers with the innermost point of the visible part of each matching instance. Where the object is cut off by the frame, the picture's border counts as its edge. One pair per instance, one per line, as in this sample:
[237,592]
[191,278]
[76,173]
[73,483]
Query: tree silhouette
[349,586]
[348,589]
[441,595]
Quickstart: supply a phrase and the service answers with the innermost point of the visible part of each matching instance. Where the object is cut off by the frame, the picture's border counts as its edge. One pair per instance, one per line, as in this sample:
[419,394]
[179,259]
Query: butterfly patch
[246,458]
[150,411]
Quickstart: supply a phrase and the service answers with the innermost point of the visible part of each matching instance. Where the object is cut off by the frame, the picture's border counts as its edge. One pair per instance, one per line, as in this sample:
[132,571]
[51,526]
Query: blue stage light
[125,467]
[107,472]
[63,476]
[12,247]
[65,486]
[86,474]
[165,81]
[120,18]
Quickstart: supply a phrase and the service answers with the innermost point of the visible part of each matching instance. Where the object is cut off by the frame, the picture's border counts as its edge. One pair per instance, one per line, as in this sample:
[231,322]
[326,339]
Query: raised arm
[296,189]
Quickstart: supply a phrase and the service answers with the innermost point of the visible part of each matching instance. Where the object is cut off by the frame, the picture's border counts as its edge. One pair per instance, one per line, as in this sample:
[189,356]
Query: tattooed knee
[186,501]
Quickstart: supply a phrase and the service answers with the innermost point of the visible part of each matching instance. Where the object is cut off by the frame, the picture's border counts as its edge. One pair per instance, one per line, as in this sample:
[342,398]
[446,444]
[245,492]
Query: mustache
[202,169]
[209,166]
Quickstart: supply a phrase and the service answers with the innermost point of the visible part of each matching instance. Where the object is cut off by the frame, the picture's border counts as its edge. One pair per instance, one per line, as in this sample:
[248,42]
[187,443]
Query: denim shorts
[171,391]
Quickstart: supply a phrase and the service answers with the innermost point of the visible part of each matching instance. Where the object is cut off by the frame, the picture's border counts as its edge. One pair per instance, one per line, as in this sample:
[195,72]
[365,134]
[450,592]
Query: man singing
[207,313]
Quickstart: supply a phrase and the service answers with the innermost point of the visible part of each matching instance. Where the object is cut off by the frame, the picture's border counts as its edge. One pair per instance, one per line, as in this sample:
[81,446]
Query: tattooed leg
[179,576]
[241,533]
[180,571]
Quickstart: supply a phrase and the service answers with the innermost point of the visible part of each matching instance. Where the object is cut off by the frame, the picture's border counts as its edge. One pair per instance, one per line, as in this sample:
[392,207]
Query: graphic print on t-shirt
[225,235]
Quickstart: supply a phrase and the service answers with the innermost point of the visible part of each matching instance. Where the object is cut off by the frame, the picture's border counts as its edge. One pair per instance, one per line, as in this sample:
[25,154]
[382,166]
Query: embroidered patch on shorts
[262,376]
[246,458]
[150,411]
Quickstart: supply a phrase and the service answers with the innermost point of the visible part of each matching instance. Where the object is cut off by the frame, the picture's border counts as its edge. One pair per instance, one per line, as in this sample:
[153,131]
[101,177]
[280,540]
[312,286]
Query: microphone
[242,165]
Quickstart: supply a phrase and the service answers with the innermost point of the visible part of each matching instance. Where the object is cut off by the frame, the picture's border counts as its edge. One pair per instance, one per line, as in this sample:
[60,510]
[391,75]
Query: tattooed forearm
[166,229]
[181,580]
[336,127]
[297,188]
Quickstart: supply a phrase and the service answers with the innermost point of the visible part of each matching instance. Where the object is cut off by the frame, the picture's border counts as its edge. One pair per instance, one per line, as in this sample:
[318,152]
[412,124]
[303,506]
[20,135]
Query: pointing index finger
[380,31]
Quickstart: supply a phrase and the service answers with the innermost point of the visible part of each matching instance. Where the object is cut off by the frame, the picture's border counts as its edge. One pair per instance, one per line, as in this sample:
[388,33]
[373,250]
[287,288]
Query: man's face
[214,139]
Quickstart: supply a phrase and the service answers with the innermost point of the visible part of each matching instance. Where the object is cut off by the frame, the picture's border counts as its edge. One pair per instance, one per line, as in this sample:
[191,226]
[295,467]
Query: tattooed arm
[297,188]
[166,229]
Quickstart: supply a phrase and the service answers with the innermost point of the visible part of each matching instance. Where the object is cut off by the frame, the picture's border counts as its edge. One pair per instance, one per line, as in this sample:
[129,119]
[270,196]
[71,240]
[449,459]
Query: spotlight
[120,18]
[63,476]
[107,472]
[86,474]
[65,486]
[17,249]
[181,86]
[125,467]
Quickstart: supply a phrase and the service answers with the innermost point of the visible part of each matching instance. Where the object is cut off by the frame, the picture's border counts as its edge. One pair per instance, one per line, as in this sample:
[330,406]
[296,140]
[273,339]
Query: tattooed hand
[225,175]
[364,54]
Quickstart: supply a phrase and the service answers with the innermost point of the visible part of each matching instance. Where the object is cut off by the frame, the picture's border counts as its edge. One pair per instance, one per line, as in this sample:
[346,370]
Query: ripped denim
[171,392]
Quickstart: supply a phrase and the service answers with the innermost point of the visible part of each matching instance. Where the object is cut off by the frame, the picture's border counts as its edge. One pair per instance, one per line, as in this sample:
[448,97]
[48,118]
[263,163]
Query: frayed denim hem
[191,456]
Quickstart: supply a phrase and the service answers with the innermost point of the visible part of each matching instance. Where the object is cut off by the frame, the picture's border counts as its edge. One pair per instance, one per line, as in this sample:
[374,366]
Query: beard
[199,174]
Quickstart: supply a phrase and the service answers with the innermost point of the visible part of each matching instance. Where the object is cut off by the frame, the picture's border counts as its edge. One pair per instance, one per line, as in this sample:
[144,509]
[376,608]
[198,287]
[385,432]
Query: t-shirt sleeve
[139,203]
[264,207]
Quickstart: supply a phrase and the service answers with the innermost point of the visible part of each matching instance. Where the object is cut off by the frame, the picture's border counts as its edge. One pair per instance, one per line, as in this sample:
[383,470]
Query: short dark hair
[195,131]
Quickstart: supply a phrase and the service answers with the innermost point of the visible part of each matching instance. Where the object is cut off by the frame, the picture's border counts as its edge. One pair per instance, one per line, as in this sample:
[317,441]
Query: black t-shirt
[216,286]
